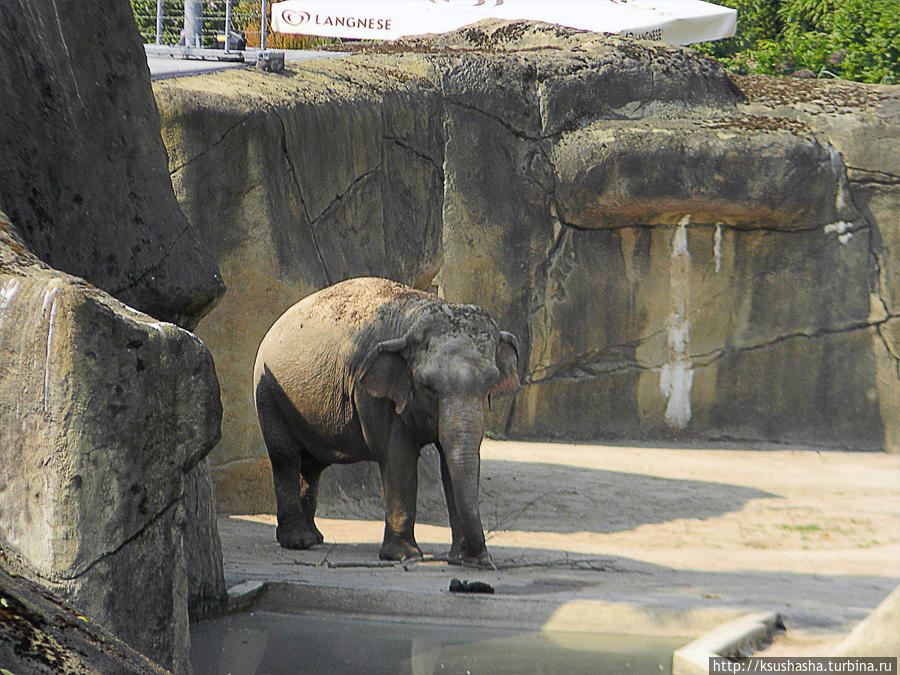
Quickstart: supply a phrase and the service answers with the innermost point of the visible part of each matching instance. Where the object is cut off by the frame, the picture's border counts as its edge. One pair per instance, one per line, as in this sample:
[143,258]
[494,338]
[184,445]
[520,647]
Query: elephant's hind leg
[293,529]
[311,469]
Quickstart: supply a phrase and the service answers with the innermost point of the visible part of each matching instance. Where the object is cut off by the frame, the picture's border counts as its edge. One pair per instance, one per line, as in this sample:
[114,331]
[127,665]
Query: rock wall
[105,411]
[861,123]
[681,257]
[297,184]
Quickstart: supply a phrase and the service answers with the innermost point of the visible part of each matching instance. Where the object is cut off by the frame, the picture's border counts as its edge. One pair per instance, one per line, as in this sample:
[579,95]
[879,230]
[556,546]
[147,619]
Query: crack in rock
[418,153]
[862,176]
[518,133]
[892,354]
[134,282]
[212,145]
[343,195]
[600,369]
[292,171]
[87,567]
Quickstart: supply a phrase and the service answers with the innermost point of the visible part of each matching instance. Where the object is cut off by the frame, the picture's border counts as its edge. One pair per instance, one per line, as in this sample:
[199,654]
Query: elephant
[371,370]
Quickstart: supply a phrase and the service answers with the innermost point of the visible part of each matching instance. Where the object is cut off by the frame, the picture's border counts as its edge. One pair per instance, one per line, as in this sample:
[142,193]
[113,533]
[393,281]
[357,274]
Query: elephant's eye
[493,374]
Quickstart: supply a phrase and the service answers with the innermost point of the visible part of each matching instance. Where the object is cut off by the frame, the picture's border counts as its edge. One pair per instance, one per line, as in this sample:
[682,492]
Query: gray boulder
[105,410]
[82,165]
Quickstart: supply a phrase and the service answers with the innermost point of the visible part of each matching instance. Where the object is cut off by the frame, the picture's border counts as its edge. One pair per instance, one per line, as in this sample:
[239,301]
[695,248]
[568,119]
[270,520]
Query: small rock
[271,62]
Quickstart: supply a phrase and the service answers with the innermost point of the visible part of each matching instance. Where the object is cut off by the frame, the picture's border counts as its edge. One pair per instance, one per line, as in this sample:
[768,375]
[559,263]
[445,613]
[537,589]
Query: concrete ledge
[242,596]
[741,637]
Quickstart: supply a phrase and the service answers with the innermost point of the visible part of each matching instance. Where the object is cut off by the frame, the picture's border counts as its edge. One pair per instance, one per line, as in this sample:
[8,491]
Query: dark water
[264,642]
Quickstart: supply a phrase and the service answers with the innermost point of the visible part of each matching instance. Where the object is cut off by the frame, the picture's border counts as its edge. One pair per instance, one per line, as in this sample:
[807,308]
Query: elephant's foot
[399,549]
[315,531]
[297,538]
[457,556]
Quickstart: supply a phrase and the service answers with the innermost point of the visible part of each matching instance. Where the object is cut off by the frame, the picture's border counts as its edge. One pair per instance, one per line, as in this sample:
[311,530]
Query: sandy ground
[640,539]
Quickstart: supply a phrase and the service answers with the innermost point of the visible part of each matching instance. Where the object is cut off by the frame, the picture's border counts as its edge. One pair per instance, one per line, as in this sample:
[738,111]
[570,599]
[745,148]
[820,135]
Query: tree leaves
[847,39]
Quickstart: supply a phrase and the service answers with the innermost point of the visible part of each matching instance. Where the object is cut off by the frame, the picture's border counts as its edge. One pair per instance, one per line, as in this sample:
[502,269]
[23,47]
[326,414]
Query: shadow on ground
[542,497]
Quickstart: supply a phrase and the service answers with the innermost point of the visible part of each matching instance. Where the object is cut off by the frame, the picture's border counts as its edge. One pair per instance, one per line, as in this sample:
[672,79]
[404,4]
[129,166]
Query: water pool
[260,643]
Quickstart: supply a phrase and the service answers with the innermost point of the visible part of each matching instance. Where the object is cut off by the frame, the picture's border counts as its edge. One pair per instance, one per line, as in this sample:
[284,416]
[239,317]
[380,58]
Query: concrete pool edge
[742,637]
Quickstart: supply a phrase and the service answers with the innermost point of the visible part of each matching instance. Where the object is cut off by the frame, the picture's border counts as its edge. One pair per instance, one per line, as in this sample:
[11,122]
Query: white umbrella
[672,21]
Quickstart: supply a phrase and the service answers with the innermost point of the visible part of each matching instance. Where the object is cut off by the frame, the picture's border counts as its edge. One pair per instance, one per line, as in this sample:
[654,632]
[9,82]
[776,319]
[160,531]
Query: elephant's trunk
[460,428]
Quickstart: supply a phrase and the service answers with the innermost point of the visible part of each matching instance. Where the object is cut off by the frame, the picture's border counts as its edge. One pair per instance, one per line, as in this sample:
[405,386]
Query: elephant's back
[312,348]
[340,314]
[355,304]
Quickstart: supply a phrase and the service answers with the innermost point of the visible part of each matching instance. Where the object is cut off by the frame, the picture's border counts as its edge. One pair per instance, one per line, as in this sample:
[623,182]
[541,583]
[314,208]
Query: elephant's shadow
[565,499]
[543,497]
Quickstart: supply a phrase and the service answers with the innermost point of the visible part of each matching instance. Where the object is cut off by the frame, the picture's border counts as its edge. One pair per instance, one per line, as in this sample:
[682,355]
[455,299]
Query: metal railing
[202,23]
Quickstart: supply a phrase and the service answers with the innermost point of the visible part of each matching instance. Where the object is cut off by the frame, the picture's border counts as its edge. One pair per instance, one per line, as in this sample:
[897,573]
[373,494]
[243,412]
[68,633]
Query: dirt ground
[686,538]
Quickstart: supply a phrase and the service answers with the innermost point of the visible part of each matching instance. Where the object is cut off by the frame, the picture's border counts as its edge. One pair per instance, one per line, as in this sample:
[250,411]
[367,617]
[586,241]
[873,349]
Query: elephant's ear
[508,364]
[385,374]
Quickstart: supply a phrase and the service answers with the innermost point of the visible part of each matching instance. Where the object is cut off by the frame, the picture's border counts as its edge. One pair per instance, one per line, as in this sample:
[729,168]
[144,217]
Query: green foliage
[173,19]
[851,39]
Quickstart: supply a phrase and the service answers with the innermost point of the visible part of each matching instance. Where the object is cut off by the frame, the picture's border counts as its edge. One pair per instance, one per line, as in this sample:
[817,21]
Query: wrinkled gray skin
[369,369]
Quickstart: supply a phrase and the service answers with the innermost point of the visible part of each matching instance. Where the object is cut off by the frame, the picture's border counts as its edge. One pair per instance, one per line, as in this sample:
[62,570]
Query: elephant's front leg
[457,548]
[399,485]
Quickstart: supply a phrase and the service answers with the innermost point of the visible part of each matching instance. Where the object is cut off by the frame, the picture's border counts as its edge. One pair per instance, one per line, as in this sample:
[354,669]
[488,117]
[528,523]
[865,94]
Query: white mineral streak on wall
[158,326]
[837,168]
[717,247]
[676,376]
[679,240]
[162,328]
[69,60]
[842,229]
[842,200]
[7,293]
[49,294]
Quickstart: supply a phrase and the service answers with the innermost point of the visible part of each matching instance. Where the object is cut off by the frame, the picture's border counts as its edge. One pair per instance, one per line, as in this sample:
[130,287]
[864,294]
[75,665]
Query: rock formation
[683,256]
[41,636]
[83,172]
[105,410]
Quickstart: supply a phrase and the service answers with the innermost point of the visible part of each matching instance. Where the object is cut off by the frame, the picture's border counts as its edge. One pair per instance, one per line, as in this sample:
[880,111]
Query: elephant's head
[439,375]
